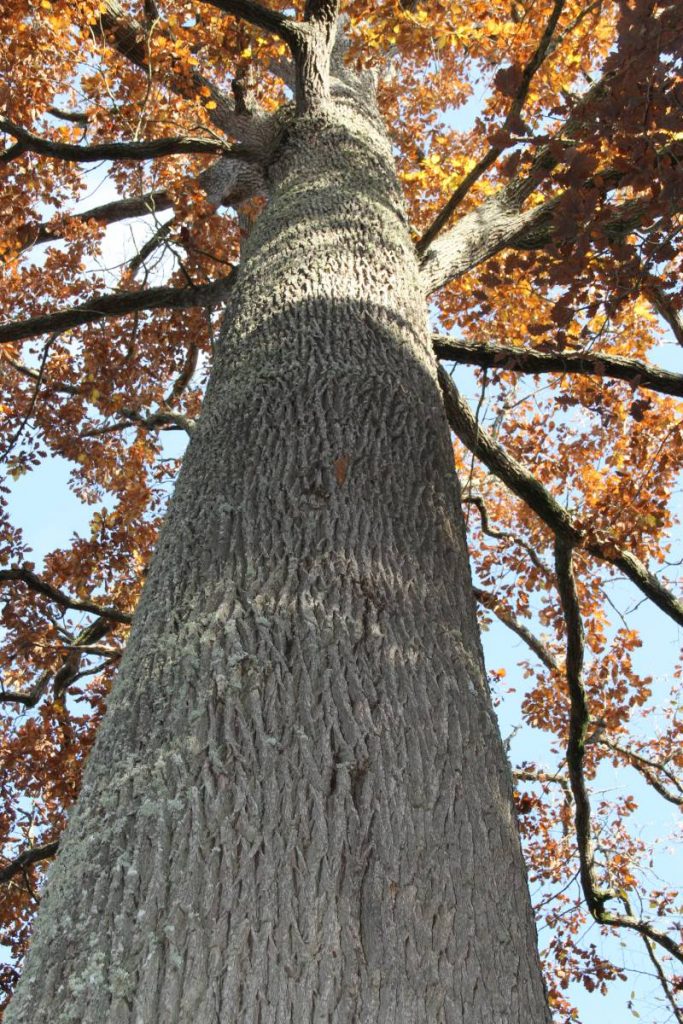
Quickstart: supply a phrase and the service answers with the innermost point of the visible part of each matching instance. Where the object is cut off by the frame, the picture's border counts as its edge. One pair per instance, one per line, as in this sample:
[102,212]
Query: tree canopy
[540,146]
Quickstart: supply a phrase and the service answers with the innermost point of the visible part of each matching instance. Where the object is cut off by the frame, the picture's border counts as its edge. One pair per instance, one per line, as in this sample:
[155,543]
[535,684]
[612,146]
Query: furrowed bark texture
[298,807]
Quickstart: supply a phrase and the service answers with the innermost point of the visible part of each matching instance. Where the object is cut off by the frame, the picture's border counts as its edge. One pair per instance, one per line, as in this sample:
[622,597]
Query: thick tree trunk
[298,808]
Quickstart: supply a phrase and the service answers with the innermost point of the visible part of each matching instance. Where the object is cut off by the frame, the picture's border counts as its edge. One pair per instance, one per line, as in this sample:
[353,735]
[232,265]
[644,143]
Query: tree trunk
[298,808]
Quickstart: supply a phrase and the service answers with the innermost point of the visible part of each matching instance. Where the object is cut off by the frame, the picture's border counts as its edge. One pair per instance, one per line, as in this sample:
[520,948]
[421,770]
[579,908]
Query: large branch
[499,223]
[478,236]
[40,586]
[263,17]
[118,304]
[492,154]
[529,360]
[147,150]
[541,501]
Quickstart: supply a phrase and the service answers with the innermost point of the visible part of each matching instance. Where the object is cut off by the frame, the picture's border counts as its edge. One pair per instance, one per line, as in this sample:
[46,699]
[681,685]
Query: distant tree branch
[147,150]
[549,510]
[669,994]
[155,421]
[648,769]
[479,503]
[667,310]
[492,154]
[494,605]
[545,778]
[68,670]
[118,304]
[579,719]
[107,213]
[74,116]
[529,360]
[32,855]
[41,586]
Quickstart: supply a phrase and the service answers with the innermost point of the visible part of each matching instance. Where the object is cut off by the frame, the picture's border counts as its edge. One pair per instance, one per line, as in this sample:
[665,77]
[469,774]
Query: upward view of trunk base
[298,808]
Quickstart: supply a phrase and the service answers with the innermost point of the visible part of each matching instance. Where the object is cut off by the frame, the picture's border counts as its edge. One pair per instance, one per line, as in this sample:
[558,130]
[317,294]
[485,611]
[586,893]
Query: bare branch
[545,778]
[119,304]
[529,360]
[531,491]
[669,994]
[40,586]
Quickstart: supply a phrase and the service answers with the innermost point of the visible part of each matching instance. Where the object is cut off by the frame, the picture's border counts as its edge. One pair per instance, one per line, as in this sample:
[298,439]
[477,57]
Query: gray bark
[298,808]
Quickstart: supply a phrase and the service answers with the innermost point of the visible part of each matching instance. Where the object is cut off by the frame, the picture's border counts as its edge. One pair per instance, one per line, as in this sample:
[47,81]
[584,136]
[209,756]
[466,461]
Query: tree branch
[155,421]
[647,769]
[531,491]
[491,602]
[67,672]
[263,17]
[128,37]
[118,304]
[529,360]
[490,157]
[667,310]
[544,778]
[32,855]
[480,505]
[499,223]
[74,116]
[40,586]
[579,719]
[147,150]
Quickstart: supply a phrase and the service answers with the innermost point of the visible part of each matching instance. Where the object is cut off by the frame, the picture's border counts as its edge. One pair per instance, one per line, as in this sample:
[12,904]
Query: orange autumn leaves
[105,397]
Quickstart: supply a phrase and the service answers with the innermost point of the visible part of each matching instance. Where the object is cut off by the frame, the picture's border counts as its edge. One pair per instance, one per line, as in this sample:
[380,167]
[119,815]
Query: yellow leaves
[246,53]
[211,105]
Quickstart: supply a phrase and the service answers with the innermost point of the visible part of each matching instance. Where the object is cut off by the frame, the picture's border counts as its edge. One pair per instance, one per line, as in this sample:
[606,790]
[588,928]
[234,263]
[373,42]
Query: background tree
[547,232]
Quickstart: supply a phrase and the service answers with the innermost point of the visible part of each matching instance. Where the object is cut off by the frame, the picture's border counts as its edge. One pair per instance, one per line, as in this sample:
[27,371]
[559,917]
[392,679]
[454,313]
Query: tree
[298,805]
